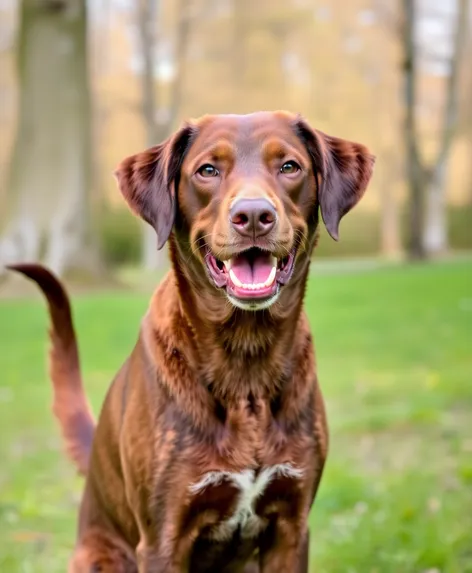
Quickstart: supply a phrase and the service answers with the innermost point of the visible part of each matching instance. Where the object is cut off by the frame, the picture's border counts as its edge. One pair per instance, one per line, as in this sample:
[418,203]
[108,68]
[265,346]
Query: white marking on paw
[251,488]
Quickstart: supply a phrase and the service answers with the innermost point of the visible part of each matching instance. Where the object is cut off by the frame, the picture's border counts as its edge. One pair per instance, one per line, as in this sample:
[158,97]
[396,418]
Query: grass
[394,348]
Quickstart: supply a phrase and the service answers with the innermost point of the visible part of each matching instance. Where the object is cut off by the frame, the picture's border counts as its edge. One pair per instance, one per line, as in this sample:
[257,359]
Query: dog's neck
[231,382]
[237,354]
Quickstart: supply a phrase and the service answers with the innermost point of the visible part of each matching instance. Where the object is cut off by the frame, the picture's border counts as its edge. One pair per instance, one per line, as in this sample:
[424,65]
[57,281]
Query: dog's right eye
[208,170]
[290,168]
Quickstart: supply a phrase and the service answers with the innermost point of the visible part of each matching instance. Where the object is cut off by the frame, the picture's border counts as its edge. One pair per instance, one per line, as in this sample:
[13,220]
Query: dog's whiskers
[302,238]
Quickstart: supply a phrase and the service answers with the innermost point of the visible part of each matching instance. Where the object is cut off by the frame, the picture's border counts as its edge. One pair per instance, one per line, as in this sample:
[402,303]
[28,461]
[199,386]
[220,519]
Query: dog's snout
[253,217]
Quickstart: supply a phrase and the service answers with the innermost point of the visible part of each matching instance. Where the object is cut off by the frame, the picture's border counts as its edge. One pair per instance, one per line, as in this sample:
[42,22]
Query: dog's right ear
[149,181]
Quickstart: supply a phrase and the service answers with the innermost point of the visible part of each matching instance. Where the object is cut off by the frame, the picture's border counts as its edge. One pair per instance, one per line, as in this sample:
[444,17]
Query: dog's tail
[70,404]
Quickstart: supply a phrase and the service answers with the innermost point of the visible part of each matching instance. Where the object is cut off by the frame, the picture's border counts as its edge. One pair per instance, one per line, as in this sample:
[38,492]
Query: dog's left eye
[208,170]
[289,167]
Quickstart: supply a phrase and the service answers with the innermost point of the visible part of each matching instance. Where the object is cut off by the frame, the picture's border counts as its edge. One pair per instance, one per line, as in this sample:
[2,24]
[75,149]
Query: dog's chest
[240,497]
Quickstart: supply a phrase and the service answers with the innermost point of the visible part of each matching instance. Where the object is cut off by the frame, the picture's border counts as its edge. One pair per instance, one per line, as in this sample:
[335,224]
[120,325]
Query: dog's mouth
[253,277]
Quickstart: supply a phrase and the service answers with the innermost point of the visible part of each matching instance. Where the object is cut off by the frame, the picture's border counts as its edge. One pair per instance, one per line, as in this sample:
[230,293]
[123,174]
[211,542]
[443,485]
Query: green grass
[394,351]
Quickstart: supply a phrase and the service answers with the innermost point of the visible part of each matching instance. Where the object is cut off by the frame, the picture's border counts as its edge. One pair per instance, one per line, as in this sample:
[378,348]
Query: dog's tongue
[252,268]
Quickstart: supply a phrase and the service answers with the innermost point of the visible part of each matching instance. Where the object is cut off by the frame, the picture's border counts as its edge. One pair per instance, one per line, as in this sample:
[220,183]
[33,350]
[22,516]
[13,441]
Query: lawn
[394,351]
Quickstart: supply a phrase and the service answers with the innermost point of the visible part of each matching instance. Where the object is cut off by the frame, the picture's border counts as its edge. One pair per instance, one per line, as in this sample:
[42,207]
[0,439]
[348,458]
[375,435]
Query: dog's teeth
[235,279]
[271,277]
[227,264]
[252,286]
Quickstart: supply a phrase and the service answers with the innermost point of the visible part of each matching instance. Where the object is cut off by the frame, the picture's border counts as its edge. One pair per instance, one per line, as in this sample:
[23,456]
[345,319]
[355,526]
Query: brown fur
[208,386]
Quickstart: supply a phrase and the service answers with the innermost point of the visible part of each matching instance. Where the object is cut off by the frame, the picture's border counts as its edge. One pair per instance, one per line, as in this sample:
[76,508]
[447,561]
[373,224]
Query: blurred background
[84,84]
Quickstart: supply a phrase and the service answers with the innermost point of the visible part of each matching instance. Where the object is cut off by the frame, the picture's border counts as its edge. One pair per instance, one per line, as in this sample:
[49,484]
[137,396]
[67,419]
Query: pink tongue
[252,269]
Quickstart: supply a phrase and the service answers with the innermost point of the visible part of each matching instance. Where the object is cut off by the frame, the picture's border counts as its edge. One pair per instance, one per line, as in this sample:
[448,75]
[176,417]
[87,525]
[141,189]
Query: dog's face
[242,194]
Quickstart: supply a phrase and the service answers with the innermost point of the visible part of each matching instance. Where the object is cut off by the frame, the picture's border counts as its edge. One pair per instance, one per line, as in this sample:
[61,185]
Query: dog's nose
[253,217]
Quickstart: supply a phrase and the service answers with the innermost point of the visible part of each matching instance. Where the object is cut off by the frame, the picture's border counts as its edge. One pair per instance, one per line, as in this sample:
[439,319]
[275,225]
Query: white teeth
[227,264]
[252,286]
[235,279]
[271,277]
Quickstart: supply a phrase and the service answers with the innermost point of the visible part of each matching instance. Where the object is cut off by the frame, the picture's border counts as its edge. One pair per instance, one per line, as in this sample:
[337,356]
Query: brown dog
[212,439]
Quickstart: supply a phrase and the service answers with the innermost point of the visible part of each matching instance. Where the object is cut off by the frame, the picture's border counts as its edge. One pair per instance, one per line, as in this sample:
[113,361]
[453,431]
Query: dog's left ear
[149,181]
[345,168]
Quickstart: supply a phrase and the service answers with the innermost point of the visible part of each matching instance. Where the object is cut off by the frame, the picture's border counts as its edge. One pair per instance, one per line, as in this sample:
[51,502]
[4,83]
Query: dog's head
[242,194]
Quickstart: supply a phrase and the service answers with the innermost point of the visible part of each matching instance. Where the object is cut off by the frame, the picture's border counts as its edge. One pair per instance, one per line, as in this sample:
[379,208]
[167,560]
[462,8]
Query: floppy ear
[149,181]
[345,168]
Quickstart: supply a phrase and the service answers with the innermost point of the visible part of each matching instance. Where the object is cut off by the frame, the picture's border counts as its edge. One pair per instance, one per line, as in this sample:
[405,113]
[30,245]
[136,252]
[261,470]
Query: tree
[147,12]
[153,105]
[435,229]
[427,183]
[413,167]
[50,175]
[385,110]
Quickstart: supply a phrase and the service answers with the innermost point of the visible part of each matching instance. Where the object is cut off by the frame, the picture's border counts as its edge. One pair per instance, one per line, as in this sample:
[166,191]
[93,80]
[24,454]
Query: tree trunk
[435,230]
[50,174]
[469,194]
[390,231]
[385,103]
[187,13]
[152,259]
[435,236]
[414,171]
